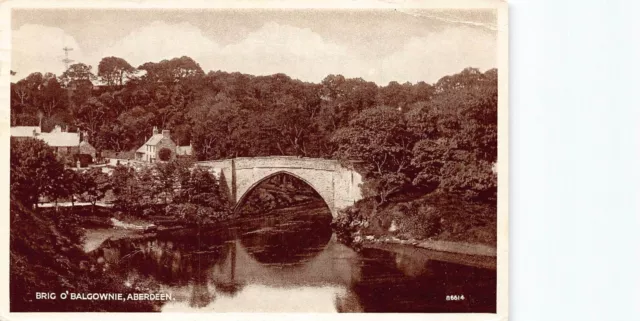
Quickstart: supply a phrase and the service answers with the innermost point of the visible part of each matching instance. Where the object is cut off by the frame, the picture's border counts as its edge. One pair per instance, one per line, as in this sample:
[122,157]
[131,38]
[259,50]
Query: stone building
[151,150]
[184,151]
[22,132]
[63,143]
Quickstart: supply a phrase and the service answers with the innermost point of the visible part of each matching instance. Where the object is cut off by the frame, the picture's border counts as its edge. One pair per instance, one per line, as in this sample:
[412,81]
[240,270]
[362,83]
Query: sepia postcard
[264,158]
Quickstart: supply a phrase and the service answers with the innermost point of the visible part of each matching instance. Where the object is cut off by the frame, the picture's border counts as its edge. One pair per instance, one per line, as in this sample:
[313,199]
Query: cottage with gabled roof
[184,151]
[62,142]
[151,150]
[25,131]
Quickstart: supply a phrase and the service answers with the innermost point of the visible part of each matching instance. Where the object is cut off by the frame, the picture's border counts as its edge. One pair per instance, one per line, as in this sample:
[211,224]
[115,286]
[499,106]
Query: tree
[168,176]
[288,126]
[135,126]
[37,94]
[34,171]
[343,99]
[124,188]
[113,70]
[94,184]
[90,115]
[52,95]
[221,129]
[164,154]
[200,199]
[379,139]
[383,186]
[202,188]
[472,178]
[72,184]
[77,73]
[395,95]
[458,135]
[171,71]
[429,157]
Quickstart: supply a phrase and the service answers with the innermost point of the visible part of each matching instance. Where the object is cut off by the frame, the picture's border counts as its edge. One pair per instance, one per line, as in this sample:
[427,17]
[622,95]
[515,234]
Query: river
[291,262]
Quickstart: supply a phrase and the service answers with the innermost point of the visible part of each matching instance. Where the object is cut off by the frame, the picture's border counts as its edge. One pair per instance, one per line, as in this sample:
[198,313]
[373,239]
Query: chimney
[155,130]
[165,133]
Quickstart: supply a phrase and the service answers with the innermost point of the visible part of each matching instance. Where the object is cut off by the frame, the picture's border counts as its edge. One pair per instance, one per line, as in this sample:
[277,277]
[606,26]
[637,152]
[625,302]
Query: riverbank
[439,246]
[475,260]
[47,255]
[436,222]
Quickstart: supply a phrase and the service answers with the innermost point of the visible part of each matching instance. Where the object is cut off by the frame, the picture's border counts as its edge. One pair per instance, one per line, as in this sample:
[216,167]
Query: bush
[164,154]
[436,216]
[417,220]
[46,256]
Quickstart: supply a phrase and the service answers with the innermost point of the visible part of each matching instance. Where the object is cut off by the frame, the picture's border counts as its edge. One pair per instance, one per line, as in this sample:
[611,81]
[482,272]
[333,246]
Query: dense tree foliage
[164,154]
[35,171]
[114,71]
[424,136]
[200,199]
[94,185]
[46,252]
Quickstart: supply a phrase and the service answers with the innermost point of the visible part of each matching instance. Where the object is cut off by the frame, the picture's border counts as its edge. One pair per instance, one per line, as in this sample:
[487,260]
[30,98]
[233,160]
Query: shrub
[164,154]
[438,215]
[46,254]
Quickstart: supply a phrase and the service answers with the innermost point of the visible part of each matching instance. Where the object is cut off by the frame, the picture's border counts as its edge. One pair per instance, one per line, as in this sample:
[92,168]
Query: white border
[503,150]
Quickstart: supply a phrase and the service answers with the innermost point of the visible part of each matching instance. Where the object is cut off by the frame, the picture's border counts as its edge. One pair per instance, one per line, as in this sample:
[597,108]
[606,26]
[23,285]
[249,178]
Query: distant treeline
[423,135]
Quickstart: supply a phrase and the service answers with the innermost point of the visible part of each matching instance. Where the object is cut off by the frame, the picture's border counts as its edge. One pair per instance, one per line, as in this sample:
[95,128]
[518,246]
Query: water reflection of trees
[413,283]
[279,239]
[209,264]
[205,260]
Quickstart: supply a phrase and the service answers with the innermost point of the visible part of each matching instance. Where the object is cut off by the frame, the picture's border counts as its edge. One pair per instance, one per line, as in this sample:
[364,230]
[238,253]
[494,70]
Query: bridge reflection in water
[290,265]
[240,283]
[275,264]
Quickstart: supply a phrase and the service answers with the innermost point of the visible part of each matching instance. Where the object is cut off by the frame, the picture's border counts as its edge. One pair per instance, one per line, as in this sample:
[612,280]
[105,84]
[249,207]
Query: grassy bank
[436,221]
[47,256]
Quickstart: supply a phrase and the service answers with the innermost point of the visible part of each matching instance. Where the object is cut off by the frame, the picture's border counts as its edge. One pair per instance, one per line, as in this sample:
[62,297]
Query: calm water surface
[292,263]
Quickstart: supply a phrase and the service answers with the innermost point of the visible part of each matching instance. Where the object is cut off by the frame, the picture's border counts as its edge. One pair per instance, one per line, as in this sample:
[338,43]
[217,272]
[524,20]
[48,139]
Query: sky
[379,45]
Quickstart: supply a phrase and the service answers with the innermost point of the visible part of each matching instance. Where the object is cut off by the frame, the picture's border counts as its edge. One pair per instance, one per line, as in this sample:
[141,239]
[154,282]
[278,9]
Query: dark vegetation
[164,154]
[45,245]
[278,192]
[434,216]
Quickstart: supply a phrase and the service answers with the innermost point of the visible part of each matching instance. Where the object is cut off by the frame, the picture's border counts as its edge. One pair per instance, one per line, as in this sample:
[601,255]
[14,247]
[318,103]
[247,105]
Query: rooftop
[24,131]
[60,139]
[184,150]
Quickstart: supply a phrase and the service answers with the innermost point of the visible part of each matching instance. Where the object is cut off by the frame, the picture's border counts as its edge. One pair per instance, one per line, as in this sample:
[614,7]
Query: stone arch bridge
[338,186]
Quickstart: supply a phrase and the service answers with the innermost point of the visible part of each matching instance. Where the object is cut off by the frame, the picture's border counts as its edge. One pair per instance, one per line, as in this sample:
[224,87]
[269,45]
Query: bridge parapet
[337,185]
[286,162]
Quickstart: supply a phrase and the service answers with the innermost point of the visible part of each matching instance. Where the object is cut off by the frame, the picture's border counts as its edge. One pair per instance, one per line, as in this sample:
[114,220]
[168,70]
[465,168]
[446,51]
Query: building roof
[154,140]
[24,131]
[60,139]
[184,150]
[85,144]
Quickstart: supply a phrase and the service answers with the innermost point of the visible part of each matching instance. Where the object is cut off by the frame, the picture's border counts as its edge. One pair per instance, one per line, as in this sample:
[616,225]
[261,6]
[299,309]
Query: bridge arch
[338,186]
[246,192]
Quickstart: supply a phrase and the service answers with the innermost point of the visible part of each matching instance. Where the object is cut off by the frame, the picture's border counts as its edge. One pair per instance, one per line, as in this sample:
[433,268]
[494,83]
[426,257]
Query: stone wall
[337,185]
[165,143]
